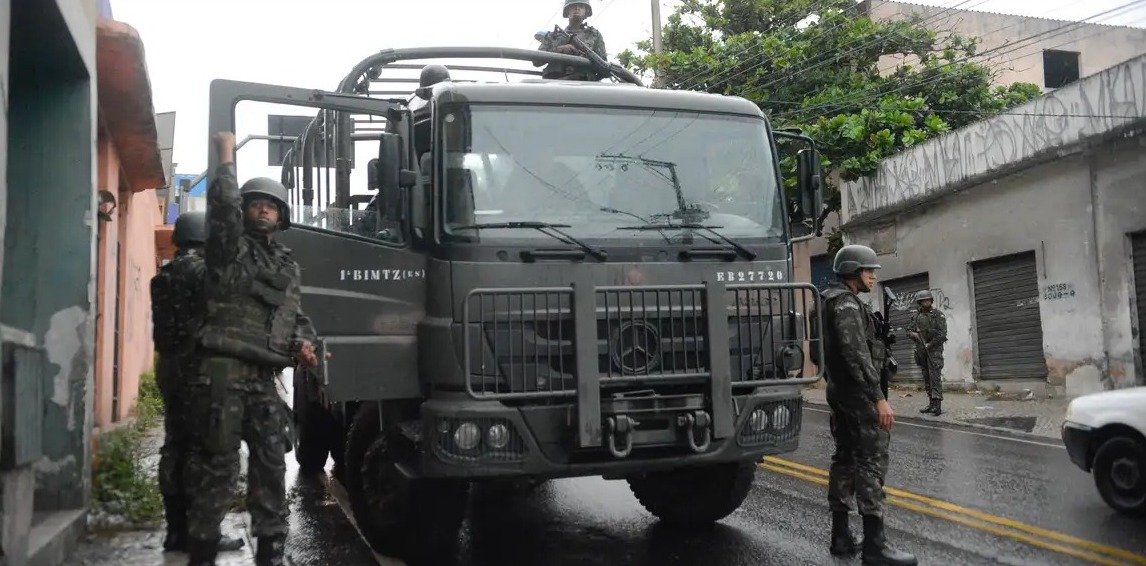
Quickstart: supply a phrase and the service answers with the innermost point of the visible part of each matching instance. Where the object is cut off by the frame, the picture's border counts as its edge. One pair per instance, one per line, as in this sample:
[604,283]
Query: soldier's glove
[891,339]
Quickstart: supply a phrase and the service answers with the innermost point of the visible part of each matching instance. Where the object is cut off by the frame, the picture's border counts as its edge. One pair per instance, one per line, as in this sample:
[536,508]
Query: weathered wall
[1097,107]
[107,287]
[137,267]
[1024,212]
[1120,192]
[1013,45]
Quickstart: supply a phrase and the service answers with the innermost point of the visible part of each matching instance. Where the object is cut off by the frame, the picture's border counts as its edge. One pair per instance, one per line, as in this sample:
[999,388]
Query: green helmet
[269,188]
[924,295]
[190,229]
[851,259]
[585,3]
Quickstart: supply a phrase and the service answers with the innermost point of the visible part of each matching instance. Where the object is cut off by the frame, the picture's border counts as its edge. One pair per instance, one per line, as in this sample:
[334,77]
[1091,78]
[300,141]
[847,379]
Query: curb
[994,430]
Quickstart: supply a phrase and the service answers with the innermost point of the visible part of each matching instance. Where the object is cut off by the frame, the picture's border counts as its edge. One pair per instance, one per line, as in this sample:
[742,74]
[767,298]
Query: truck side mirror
[390,177]
[809,178]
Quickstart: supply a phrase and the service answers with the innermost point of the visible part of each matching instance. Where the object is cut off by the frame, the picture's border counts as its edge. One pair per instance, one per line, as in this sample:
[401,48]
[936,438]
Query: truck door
[363,285]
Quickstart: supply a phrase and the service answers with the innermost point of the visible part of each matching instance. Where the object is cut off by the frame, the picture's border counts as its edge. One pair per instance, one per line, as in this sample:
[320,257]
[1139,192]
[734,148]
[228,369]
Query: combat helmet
[853,258]
[269,188]
[585,3]
[924,295]
[190,229]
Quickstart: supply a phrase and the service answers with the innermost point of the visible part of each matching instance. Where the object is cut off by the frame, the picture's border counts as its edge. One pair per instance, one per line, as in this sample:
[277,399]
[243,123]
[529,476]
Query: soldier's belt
[243,351]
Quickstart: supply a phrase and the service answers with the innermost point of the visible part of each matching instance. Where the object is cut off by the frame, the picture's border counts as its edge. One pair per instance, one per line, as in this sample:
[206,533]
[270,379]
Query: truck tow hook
[700,422]
[621,427]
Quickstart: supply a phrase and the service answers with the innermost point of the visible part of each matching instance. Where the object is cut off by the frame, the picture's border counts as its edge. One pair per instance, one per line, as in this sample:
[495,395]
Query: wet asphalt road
[955,496]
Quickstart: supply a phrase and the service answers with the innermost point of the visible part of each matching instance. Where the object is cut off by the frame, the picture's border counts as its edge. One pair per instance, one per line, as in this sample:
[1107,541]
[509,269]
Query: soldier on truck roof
[576,11]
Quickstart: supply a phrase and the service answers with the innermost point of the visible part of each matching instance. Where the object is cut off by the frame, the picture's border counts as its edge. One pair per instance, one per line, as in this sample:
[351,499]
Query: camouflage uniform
[932,329]
[854,356]
[253,328]
[176,315]
[853,353]
[589,35]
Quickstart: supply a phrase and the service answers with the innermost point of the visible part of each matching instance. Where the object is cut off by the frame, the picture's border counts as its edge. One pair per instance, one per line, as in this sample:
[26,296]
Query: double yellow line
[1000,526]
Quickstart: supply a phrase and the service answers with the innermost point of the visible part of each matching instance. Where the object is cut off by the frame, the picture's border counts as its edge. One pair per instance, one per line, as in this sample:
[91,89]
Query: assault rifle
[884,332]
[599,63]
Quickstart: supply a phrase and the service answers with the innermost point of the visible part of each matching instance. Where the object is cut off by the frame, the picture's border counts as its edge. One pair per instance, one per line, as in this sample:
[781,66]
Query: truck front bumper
[474,439]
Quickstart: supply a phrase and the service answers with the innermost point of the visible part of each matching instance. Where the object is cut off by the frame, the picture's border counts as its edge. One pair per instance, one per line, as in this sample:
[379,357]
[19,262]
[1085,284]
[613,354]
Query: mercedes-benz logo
[636,348]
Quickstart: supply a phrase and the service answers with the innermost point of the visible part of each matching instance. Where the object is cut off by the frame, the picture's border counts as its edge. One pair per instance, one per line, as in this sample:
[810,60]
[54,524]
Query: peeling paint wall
[1091,108]
[1045,210]
[1083,275]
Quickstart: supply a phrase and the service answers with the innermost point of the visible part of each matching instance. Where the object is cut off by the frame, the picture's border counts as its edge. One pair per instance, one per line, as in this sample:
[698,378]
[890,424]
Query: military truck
[540,279]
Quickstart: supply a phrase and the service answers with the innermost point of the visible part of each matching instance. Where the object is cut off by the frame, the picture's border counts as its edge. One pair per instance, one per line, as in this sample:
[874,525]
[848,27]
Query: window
[1060,68]
[604,171]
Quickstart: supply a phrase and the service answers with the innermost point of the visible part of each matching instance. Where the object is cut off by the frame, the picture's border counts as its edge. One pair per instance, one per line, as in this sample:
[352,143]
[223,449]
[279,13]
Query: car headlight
[1069,410]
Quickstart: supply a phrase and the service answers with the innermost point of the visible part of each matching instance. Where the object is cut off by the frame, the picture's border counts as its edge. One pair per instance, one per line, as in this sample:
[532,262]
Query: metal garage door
[1007,320]
[905,290]
[1138,253]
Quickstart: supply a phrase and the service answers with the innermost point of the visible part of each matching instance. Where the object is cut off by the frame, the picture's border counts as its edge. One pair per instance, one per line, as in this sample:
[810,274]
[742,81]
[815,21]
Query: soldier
[176,314]
[253,327]
[861,417]
[576,11]
[929,331]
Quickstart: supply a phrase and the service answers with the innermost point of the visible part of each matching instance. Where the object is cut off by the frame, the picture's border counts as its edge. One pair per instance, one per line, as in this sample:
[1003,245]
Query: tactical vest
[255,319]
[173,315]
[926,325]
[835,361]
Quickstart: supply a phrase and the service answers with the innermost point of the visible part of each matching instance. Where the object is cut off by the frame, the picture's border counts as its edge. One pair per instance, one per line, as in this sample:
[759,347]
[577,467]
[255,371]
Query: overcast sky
[314,43]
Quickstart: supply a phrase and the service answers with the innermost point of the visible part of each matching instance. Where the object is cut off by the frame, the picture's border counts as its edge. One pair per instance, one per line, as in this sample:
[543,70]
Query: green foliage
[121,483]
[825,78]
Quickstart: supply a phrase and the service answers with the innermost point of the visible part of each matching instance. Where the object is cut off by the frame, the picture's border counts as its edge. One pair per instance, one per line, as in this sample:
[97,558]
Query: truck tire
[416,520]
[696,495]
[314,428]
[1120,475]
[364,429]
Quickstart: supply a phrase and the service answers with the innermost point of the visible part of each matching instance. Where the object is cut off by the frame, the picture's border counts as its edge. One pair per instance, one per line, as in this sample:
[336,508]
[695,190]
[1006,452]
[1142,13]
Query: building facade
[1021,49]
[75,176]
[1030,229]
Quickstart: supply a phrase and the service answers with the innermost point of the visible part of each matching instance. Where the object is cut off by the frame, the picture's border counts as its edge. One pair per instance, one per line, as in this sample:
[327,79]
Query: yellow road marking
[906,500]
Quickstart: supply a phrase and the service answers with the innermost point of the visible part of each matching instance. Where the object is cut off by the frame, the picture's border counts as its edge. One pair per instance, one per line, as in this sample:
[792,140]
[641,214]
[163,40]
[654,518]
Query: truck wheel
[696,495]
[314,428]
[1120,475]
[364,429]
[416,520]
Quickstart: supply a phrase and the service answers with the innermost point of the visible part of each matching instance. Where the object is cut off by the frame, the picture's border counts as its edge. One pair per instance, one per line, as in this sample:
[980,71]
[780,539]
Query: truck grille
[523,342]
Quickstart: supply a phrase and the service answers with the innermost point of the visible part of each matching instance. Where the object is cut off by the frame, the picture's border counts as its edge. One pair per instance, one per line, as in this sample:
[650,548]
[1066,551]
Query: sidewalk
[978,409]
[111,542]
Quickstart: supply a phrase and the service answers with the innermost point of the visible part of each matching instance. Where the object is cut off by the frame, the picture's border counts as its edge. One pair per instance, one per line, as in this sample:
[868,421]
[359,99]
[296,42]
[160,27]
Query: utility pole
[658,44]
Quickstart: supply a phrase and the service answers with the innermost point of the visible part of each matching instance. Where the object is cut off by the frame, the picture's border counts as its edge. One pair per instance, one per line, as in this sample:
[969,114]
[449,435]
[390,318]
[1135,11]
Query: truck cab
[541,279]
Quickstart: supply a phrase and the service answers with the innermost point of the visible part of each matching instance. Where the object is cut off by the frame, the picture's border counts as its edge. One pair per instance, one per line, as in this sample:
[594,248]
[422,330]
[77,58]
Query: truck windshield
[602,171]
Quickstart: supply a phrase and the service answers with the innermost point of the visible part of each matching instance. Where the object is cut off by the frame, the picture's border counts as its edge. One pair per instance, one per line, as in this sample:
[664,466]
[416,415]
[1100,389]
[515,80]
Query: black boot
[876,549]
[843,542]
[930,407]
[201,552]
[176,541]
[938,410]
[176,515]
[228,544]
[270,551]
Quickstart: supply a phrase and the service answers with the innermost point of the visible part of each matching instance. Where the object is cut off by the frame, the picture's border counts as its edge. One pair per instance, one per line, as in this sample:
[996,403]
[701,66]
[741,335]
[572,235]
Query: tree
[814,65]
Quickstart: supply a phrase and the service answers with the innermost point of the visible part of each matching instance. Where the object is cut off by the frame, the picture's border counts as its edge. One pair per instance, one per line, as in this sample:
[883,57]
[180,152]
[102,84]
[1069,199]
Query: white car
[1105,435]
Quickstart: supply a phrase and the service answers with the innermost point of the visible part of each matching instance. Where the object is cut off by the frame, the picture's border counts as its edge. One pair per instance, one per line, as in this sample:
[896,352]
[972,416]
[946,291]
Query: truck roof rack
[366,79]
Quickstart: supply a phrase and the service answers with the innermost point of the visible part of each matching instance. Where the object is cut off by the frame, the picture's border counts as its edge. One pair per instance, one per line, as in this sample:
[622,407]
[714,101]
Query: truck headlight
[467,436]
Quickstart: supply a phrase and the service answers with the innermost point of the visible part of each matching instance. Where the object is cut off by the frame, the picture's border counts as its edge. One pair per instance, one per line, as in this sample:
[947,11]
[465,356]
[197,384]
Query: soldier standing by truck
[929,331]
[861,417]
[176,315]
[253,327]
[561,41]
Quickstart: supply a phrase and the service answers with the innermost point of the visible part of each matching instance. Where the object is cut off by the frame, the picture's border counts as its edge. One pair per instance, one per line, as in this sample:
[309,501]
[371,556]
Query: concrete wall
[139,216]
[1069,187]
[107,287]
[1013,45]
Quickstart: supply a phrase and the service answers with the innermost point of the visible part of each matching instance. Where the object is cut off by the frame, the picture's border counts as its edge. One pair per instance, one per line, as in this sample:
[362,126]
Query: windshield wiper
[540,227]
[747,253]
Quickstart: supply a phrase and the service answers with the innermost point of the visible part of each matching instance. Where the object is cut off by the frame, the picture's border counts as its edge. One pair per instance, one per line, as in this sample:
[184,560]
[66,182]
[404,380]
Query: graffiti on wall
[905,302]
[1088,108]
